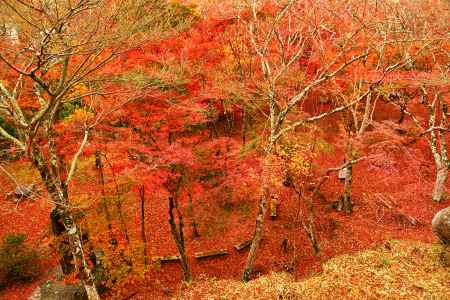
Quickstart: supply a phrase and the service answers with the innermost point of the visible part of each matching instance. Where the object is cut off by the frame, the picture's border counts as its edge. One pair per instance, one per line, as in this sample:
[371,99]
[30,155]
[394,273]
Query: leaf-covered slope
[395,270]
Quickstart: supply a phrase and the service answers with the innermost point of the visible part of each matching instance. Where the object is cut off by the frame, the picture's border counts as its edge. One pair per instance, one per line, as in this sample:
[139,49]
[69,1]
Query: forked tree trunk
[76,246]
[309,224]
[439,185]
[178,236]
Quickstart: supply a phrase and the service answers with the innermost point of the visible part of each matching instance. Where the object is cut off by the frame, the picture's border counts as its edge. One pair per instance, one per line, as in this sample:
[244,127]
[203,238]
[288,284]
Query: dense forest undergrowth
[167,128]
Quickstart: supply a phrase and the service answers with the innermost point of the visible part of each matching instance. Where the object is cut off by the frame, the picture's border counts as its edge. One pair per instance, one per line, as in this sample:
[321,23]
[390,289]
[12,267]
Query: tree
[436,131]
[54,53]
[423,83]
[299,47]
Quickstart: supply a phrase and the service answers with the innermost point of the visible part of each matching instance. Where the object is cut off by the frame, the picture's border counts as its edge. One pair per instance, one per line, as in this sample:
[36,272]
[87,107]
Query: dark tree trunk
[177,234]
[244,125]
[65,256]
[309,224]
[194,227]
[101,178]
[144,238]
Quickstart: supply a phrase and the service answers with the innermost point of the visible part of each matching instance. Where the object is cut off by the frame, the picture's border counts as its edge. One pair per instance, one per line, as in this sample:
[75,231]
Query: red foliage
[188,121]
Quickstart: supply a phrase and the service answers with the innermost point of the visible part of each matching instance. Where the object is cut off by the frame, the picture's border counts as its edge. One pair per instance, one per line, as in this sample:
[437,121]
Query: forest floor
[381,213]
[394,270]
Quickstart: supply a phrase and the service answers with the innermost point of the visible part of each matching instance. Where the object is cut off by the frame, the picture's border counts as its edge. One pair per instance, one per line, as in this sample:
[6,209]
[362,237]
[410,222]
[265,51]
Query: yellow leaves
[298,165]
[296,157]
[77,91]
[81,115]
[4,83]
[243,60]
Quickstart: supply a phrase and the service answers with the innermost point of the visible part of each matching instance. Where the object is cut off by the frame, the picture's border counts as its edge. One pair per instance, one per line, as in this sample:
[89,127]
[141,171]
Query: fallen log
[243,245]
[208,254]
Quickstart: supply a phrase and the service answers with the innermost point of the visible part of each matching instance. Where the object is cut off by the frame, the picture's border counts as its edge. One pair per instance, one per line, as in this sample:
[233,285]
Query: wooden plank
[243,245]
[207,254]
[167,258]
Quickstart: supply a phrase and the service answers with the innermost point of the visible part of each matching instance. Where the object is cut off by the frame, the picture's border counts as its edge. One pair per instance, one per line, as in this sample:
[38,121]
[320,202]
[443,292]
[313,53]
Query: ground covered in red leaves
[29,217]
[391,193]
[392,200]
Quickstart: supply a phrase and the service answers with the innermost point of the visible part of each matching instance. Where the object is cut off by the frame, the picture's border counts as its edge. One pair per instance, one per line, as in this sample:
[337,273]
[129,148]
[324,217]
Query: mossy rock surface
[53,290]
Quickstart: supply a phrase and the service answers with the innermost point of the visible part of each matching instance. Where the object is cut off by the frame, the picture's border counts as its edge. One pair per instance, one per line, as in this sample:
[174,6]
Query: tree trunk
[118,201]
[144,238]
[309,226]
[178,236]
[76,246]
[91,292]
[194,227]
[244,125]
[439,185]
[259,220]
[101,177]
[345,200]
[58,193]
[65,256]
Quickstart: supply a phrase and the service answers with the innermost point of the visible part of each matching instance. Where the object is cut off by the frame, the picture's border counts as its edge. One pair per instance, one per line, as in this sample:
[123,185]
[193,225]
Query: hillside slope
[394,270]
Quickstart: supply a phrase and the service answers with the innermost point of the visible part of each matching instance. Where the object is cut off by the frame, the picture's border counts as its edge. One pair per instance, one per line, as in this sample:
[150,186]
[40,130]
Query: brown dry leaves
[396,270]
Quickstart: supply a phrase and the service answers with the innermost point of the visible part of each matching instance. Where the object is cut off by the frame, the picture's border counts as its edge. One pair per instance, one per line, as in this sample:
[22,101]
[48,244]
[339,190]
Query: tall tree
[299,47]
[53,54]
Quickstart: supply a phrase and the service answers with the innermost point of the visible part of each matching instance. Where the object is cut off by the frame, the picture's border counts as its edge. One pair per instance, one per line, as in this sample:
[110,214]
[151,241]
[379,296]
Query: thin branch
[5,134]
[74,162]
[315,118]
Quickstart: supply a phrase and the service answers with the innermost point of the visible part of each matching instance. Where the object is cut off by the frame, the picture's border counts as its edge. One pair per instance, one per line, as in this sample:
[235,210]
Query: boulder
[53,290]
[441,225]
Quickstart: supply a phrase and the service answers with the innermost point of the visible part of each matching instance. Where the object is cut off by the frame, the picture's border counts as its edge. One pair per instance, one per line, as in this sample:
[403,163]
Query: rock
[36,295]
[444,257]
[52,290]
[441,225]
